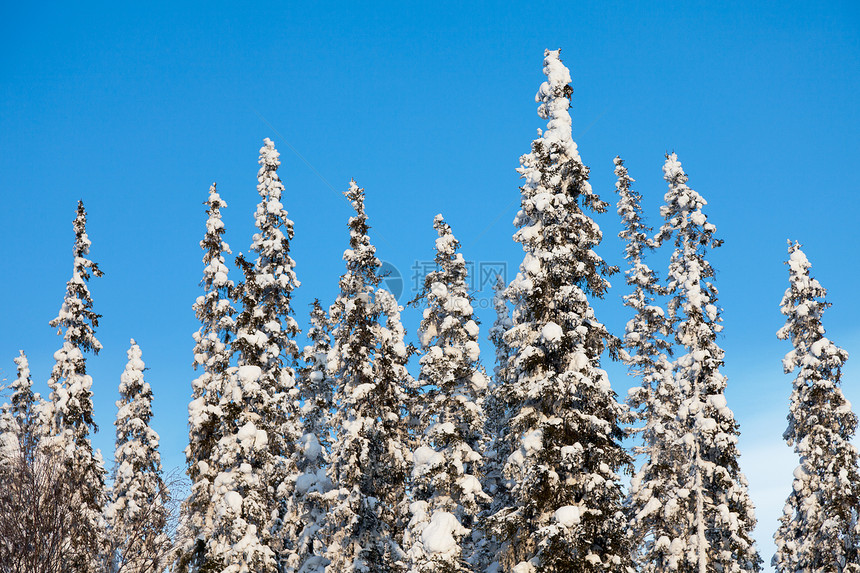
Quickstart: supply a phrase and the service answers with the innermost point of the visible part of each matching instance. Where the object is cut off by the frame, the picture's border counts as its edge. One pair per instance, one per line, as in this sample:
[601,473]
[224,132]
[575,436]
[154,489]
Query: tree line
[334,458]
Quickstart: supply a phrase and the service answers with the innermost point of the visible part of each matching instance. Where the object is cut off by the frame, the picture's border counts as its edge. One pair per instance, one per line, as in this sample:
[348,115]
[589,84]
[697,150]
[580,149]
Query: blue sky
[137,110]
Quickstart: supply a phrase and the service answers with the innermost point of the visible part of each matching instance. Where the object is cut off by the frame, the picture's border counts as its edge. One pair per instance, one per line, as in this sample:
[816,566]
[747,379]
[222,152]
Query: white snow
[233,499]
[438,536]
[472,328]
[567,515]
[424,458]
[551,332]
[249,374]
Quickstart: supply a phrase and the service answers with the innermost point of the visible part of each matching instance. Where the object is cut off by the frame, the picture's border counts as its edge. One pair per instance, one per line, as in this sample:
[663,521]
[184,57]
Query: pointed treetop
[23,384]
[133,375]
[360,257]
[356,195]
[447,253]
[636,233]
[358,225]
[804,305]
[82,242]
[266,293]
[271,219]
[269,155]
[554,98]
[683,209]
[213,308]
[24,403]
[76,313]
[555,194]
[209,307]
[798,269]
[214,224]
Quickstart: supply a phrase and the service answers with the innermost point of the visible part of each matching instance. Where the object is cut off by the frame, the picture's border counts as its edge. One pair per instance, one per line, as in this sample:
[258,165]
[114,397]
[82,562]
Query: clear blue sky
[137,110]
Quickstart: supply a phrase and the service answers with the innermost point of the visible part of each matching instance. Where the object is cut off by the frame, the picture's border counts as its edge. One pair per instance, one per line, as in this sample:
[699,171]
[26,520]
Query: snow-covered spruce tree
[20,429]
[137,513]
[656,400]
[819,529]
[255,525]
[494,408]
[316,387]
[371,451]
[206,423]
[446,492]
[709,505]
[565,420]
[69,415]
[24,408]
[497,447]
[8,436]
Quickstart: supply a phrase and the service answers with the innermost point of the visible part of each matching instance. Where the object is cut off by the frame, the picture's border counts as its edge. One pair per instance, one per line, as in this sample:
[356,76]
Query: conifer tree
[495,408]
[137,513]
[819,529]
[69,415]
[656,400]
[24,408]
[316,387]
[206,423]
[370,457]
[255,526]
[710,508]
[446,490]
[8,434]
[497,332]
[565,420]
[496,431]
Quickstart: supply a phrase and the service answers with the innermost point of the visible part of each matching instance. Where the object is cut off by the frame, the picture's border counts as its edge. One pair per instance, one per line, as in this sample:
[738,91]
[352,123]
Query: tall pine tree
[24,408]
[316,391]
[565,426]
[651,491]
[137,512]
[69,415]
[819,529]
[447,495]
[498,448]
[206,423]
[370,457]
[710,507]
[254,486]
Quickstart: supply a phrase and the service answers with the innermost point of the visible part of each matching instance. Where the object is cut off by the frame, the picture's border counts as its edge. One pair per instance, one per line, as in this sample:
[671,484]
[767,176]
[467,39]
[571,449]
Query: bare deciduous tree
[38,519]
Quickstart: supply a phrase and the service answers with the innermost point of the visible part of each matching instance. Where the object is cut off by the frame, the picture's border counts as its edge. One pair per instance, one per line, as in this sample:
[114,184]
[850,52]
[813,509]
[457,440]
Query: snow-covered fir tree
[709,504]
[371,451]
[24,408]
[494,408]
[497,447]
[19,418]
[446,492]
[565,419]
[819,528]
[68,417]
[497,332]
[656,400]
[206,421]
[253,490]
[136,513]
[316,393]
